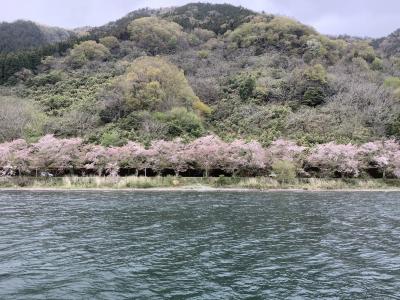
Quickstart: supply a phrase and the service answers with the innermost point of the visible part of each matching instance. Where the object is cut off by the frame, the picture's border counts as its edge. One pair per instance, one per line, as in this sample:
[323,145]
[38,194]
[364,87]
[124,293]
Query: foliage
[218,18]
[285,171]
[157,35]
[244,84]
[313,96]
[23,35]
[87,51]
[317,74]
[19,118]
[111,42]
[279,32]
[180,122]
[219,69]
[151,83]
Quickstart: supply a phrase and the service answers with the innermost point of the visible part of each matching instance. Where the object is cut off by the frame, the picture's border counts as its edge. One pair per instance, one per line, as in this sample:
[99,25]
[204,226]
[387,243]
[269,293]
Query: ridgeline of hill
[194,70]
[23,35]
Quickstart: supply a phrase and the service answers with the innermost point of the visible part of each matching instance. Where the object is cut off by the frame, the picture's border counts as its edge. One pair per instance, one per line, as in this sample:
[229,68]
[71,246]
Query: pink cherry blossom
[331,157]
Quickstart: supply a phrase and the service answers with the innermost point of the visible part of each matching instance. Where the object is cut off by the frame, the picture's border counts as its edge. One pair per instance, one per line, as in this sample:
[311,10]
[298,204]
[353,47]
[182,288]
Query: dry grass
[133,182]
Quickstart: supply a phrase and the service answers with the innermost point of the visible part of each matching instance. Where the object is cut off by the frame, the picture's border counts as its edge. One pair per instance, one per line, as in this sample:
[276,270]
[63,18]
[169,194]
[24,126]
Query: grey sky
[373,18]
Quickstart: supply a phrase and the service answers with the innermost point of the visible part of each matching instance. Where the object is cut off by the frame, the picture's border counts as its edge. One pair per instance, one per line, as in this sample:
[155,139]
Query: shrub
[392,82]
[284,170]
[111,138]
[317,74]
[181,122]
[203,54]
[46,78]
[313,96]
[244,84]
[377,64]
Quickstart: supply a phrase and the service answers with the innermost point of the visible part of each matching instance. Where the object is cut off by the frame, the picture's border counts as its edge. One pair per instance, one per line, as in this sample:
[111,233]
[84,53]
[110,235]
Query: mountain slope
[189,71]
[21,35]
[389,45]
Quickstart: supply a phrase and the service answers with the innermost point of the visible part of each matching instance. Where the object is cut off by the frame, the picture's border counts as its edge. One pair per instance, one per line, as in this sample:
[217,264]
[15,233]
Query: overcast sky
[373,18]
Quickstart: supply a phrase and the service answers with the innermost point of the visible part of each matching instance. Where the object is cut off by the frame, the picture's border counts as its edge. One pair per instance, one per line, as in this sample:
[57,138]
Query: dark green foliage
[22,35]
[181,123]
[218,18]
[111,138]
[10,63]
[393,128]
[45,78]
[313,96]
[244,85]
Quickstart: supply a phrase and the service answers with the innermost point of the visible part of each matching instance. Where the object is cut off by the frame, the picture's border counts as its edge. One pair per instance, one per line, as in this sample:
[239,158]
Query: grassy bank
[257,183]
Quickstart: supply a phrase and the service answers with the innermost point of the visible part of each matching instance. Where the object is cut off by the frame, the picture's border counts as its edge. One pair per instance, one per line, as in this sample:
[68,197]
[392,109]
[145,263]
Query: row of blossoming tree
[207,155]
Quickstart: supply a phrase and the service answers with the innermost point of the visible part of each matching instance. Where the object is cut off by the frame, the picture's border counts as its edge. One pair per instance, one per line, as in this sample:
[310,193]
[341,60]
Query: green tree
[313,96]
[111,42]
[244,84]
[87,51]
[279,32]
[157,35]
[315,86]
[151,83]
[317,74]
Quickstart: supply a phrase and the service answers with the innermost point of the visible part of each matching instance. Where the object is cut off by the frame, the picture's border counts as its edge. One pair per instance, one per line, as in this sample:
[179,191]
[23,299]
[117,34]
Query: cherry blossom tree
[134,156]
[169,155]
[96,158]
[332,158]
[58,154]
[207,153]
[70,155]
[239,156]
[14,157]
[284,150]
[113,161]
[45,154]
[382,154]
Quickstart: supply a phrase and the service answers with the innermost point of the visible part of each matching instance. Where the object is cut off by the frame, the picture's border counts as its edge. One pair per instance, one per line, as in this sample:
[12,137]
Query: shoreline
[195,184]
[195,189]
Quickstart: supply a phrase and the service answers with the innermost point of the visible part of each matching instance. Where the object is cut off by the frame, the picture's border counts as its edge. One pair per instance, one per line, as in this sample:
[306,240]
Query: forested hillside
[22,35]
[196,70]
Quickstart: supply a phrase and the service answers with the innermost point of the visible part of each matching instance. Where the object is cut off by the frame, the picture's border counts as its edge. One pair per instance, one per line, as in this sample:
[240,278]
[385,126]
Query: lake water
[179,245]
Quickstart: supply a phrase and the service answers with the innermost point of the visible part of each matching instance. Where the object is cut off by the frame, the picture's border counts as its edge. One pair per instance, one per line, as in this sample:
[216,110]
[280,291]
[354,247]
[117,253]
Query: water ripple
[120,245]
